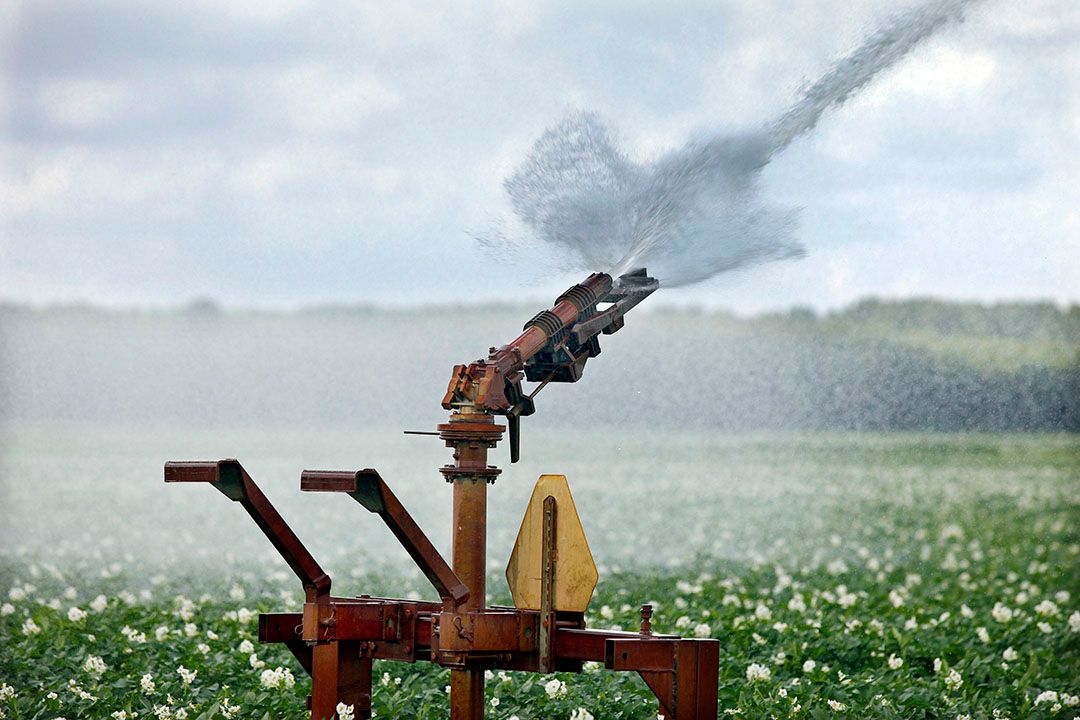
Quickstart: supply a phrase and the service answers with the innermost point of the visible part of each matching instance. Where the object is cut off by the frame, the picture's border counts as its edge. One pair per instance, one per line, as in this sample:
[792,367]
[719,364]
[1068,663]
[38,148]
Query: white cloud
[947,73]
[83,103]
[318,97]
[299,141]
[245,12]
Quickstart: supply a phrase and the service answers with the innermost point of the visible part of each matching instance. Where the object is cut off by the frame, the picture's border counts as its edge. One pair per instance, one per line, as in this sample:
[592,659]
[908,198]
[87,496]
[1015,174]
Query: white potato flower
[228,710]
[555,688]
[278,677]
[94,665]
[1001,613]
[758,673]
[895,663]
[133,635]
[1048,696]
[76,614]
[1047,608]
[188,676]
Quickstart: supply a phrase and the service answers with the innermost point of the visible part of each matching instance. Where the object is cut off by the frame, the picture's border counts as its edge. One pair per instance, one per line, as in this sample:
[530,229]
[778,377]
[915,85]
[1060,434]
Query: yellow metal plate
[575,571]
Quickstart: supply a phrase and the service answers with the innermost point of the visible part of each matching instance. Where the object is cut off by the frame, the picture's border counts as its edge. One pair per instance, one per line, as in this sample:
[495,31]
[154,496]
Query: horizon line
[209,305]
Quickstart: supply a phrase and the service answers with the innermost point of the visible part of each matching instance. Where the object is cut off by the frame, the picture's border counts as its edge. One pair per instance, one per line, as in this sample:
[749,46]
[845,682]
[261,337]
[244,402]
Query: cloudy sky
[282,153]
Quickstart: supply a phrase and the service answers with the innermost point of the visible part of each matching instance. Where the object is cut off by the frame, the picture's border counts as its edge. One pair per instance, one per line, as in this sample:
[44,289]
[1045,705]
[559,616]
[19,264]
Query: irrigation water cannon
[551,573]
[553,347]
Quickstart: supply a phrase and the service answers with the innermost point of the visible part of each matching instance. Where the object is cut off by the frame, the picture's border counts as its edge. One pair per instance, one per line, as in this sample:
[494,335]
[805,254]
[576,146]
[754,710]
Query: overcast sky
[287,153]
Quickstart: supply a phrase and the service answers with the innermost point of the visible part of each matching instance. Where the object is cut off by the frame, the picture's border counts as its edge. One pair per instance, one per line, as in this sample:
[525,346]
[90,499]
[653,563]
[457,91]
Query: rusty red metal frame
[335,639]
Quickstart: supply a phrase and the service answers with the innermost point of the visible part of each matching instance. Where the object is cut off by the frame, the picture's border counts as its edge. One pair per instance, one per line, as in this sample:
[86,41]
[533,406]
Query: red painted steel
[335,639]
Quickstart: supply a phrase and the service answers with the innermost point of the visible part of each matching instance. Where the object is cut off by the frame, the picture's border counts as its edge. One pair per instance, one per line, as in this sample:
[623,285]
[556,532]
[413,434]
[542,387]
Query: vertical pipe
[325,659]
[340,675]
[470,561]
[470,553]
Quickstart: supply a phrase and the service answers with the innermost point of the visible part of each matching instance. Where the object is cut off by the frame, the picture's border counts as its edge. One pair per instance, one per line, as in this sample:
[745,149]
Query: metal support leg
[470,436]
[470,564]
[340,675]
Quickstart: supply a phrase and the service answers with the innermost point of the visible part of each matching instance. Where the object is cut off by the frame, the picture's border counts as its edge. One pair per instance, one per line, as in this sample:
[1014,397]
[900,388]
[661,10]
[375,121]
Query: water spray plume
[697,211]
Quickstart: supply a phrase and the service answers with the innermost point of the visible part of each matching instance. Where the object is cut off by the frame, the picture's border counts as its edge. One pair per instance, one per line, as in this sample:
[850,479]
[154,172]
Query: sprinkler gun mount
[553,347]
[551,573]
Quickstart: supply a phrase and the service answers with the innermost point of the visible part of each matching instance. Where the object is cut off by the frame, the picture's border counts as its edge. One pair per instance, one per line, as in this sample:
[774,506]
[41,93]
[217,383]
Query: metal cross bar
[335,639]
[232,480]
[369,489]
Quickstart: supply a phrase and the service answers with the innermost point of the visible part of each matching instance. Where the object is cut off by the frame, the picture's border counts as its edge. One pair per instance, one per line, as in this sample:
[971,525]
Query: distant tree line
[916,365]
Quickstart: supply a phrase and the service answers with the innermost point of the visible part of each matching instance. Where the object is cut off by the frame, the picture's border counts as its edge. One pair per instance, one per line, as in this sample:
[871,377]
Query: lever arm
[369,489]
[232,480]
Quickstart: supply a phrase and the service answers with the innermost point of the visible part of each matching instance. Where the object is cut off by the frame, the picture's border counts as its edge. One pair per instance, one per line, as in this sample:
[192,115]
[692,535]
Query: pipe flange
[453,473]
[485,432]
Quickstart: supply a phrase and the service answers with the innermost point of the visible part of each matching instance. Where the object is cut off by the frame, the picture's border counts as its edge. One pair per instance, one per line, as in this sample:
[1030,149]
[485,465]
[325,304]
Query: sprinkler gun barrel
[553,347]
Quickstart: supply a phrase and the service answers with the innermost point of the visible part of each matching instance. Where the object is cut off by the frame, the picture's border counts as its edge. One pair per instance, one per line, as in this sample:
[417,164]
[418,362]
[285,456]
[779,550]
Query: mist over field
[680,404]
[914,365]
[718,464]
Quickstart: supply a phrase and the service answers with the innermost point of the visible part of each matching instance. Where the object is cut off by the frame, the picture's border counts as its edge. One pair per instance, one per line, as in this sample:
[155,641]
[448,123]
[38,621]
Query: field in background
[849,575]
[910,366]
[789,484]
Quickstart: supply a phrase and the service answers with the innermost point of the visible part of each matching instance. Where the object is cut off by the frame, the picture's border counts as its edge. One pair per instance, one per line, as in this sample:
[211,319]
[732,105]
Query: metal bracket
[232,480]
[549,557]
[369,489]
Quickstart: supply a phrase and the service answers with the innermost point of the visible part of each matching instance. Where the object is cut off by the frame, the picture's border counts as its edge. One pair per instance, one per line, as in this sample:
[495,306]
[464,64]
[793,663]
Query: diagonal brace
[232,480]
[369,489]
